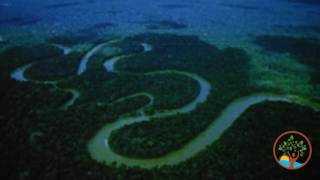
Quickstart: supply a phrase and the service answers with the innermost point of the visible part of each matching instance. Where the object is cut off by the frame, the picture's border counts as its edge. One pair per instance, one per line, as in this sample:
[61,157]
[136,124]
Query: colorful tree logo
[292,150]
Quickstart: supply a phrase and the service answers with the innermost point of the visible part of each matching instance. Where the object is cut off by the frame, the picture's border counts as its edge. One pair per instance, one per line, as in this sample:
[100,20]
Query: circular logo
[292,150]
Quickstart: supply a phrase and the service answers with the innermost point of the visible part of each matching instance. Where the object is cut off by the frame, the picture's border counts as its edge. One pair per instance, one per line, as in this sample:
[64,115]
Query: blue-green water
[145,89]
[287,164]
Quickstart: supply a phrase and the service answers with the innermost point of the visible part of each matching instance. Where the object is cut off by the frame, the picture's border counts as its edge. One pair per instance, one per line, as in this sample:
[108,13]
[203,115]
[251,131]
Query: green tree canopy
[292,145]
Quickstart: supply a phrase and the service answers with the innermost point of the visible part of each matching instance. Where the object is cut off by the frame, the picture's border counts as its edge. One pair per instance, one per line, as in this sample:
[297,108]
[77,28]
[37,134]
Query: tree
[293,149]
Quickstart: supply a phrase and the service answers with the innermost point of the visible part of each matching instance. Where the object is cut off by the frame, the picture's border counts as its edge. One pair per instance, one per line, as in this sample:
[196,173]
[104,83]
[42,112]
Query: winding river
[98,147]
[83,64]
[100,150]
[19,75]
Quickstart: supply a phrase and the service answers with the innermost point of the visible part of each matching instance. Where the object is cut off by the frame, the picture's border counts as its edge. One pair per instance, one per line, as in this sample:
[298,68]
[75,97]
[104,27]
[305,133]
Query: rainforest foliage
[42,141]
[305,50]
[55,68]
[185,53]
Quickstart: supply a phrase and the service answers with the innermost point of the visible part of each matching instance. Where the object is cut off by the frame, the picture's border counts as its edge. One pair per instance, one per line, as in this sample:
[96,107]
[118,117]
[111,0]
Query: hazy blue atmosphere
[225,21]
[145,89]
